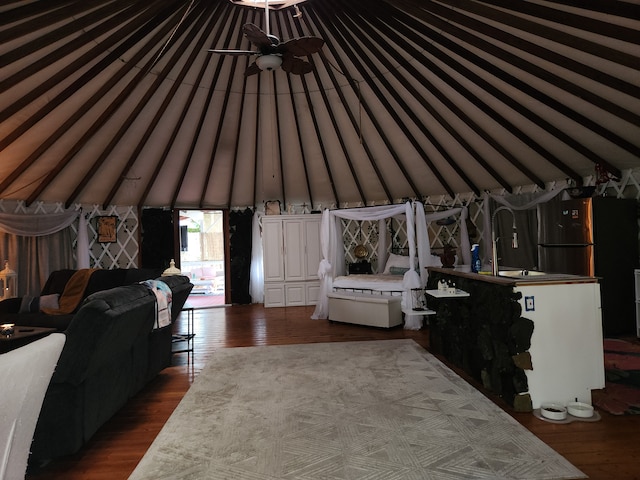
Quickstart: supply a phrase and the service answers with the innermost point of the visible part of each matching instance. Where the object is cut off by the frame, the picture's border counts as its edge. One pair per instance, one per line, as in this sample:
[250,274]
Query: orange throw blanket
[72,294]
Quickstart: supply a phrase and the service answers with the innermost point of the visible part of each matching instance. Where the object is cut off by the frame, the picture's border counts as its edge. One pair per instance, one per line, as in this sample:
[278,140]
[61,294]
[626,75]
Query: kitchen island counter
[537,338]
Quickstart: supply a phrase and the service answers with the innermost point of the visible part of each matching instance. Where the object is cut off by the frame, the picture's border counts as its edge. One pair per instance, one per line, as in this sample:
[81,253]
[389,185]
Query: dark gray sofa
[112,351]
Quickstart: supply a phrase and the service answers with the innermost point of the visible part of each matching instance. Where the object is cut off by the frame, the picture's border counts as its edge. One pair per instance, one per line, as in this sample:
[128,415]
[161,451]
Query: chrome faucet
[494,241]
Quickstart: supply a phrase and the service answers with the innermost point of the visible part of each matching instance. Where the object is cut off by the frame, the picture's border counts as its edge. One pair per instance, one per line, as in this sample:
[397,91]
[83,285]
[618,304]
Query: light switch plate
[529,304]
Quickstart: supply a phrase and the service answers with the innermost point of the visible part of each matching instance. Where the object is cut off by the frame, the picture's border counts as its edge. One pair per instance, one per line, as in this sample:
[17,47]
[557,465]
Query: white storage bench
[365,309]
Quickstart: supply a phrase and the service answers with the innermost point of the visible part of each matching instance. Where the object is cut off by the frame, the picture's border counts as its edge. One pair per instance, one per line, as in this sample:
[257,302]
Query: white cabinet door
[273,250]
[294,261]
[313,291]
[274,295]
[295,294]
[313,252]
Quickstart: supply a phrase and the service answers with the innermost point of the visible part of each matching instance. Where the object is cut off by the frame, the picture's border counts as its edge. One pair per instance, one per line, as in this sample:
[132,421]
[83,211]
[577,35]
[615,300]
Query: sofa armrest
[10,305]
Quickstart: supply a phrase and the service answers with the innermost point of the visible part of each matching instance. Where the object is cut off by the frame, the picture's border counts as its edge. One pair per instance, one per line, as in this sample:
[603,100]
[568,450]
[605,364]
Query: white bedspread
[377,282]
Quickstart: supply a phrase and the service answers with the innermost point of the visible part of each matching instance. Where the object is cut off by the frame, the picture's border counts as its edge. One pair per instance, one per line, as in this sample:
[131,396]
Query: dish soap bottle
[475,258]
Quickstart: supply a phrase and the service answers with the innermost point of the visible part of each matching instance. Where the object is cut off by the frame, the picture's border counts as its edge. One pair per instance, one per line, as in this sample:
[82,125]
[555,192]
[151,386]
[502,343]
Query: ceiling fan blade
[235,52]
[256,36]
[252,70]
[302,46]
[296,66]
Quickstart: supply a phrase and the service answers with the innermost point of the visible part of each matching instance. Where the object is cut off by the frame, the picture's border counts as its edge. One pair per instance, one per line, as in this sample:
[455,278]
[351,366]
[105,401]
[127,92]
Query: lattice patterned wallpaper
[124,252]
[121,254]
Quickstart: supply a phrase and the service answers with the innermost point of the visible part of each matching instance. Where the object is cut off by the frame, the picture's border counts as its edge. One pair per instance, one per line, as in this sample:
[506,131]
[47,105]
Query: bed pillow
[394,260]
[398,270]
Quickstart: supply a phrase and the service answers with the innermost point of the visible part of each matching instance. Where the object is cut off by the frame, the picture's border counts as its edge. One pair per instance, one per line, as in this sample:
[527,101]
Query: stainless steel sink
[520,273]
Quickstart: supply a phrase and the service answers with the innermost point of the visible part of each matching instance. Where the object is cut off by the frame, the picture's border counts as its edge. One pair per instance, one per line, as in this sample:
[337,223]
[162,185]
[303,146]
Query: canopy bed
[332,266]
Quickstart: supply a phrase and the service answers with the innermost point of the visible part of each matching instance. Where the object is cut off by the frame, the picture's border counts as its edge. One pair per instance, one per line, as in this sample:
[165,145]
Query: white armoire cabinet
[292,255]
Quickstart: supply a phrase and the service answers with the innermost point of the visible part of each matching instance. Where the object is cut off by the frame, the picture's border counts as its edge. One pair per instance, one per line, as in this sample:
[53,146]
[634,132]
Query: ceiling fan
[271,53]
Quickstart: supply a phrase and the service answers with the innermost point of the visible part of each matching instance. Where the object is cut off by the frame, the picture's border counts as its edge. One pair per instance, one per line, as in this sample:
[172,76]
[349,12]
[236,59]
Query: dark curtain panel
[240,253]
[157,248]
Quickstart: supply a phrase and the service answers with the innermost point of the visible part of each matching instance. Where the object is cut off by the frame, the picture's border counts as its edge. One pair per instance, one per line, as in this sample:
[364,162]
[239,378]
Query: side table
[186,338]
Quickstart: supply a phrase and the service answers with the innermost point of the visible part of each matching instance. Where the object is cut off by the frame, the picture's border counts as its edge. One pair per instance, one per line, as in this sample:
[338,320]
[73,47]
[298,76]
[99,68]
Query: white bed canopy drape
[333,265]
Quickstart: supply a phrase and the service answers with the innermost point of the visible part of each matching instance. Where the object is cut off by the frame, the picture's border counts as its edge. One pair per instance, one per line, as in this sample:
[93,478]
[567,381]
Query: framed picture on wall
[107,229]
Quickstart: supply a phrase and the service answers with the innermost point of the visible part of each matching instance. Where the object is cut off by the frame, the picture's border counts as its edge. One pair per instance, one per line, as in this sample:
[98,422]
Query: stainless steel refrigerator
[595,237]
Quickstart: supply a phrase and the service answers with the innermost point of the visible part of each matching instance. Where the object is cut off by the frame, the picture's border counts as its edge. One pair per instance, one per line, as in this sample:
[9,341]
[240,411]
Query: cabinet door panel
[294,250]
[313,253]
[274,295]
[273,248]
[295,294]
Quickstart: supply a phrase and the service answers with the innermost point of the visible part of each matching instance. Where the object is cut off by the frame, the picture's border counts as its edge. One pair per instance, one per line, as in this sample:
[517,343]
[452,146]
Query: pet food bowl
[579,409]
[553,411]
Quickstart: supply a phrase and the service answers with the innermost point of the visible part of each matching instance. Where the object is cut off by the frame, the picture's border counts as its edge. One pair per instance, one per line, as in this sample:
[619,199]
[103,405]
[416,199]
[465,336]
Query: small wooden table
[21,336]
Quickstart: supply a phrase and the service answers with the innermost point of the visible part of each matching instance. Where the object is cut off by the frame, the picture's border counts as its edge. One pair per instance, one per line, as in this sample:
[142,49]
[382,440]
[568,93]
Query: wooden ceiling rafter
[30,10]
[383,27]
[471,24]
[181,50]
[186,66]
[43,14]
[619,9]
[127,26]
[491,68]
[72,119]
[122,96]
[298,111]
[490,88]
[451,106]
[206,105]
[540,29]
[392,92]
[236,146]
[312,115]
[355,58]
[225,105]
[571,64]
[355,87]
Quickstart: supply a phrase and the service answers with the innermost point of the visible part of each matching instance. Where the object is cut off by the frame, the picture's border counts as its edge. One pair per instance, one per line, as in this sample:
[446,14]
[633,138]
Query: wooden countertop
[551,278]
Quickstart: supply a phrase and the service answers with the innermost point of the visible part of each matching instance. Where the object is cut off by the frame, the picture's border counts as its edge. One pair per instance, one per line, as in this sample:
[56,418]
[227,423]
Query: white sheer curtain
[256,277]
[32,255]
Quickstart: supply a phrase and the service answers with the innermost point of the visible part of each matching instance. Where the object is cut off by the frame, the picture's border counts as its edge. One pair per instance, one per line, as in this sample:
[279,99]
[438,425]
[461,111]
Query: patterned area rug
[384,410]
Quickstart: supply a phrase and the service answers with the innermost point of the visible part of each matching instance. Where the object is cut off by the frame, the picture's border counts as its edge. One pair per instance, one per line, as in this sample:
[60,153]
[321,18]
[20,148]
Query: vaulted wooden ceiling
[120,101]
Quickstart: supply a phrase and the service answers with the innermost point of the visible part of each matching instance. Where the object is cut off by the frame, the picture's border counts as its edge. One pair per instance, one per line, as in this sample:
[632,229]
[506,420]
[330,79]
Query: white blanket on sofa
[163,302]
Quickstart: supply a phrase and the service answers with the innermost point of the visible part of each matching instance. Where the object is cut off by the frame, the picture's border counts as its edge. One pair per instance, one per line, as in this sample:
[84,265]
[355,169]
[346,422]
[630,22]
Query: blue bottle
[475,258]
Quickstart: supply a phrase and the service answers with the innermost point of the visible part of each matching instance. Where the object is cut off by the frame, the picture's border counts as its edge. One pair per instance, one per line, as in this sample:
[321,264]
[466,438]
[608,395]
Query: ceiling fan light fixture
[269,62]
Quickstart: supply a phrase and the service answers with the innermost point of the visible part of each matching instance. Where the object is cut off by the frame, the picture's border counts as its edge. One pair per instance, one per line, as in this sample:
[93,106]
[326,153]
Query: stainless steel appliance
[595,237]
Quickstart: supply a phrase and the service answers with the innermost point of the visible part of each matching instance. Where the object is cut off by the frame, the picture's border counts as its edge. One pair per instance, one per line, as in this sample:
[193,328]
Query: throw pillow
[398,270]
[50,301]
[31,304]
[394,260]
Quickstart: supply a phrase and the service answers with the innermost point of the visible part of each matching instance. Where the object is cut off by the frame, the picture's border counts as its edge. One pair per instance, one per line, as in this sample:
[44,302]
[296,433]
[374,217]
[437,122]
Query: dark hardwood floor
[608,449]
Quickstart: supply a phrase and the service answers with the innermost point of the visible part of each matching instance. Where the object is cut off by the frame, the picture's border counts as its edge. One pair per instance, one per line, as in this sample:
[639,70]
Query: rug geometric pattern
[376,410]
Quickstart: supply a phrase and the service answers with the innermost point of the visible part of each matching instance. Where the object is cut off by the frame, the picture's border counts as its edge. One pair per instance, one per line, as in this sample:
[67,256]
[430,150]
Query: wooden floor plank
[603,450]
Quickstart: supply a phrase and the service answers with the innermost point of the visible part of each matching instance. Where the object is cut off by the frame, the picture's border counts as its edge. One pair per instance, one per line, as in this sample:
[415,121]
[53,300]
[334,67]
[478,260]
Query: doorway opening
[202,255]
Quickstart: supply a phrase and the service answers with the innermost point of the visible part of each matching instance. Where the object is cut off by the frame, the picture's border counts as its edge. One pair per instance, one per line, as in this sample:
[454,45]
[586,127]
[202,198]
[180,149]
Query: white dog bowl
[553,411]
[579,409]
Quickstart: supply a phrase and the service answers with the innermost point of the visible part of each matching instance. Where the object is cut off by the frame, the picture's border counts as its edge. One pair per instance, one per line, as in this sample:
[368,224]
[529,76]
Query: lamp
[268,62]
[8,282]
[172,270]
